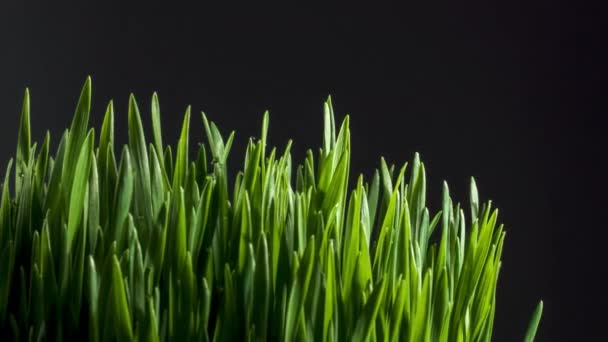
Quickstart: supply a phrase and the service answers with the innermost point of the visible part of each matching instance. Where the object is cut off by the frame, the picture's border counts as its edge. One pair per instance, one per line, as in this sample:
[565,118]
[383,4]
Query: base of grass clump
[141,243]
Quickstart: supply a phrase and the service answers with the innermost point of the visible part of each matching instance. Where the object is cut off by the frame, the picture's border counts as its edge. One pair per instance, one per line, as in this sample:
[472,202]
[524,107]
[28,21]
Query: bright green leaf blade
[121,317]
[77,133]
[79,187]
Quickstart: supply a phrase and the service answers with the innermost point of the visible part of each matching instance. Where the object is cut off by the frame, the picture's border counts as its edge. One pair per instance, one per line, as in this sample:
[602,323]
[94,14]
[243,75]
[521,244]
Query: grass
[145,244]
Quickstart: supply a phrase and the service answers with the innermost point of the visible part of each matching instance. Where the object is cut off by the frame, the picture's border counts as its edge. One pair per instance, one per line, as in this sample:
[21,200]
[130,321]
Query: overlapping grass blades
[154,246]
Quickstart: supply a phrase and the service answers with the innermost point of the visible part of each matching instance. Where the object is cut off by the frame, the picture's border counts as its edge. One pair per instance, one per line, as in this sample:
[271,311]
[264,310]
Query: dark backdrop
[492,90]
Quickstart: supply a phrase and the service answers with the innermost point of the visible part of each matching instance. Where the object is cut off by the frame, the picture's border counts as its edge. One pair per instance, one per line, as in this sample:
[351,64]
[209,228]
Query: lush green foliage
[153,246]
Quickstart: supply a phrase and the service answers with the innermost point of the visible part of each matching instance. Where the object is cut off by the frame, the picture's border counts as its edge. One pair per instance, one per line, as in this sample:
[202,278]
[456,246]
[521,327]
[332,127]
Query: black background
[500,91]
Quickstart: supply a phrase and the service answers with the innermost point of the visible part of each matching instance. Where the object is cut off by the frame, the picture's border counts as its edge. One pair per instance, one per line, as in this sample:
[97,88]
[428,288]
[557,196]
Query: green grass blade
[141,165]
[121,318]
[24,143]
[534,322]
[366,321]
[77,133]
[474,199]
[181,161]
[122,198]
[156,125]
[80,187]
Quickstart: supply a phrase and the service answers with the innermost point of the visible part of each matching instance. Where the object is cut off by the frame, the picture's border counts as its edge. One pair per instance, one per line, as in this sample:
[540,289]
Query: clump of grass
[145,244]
